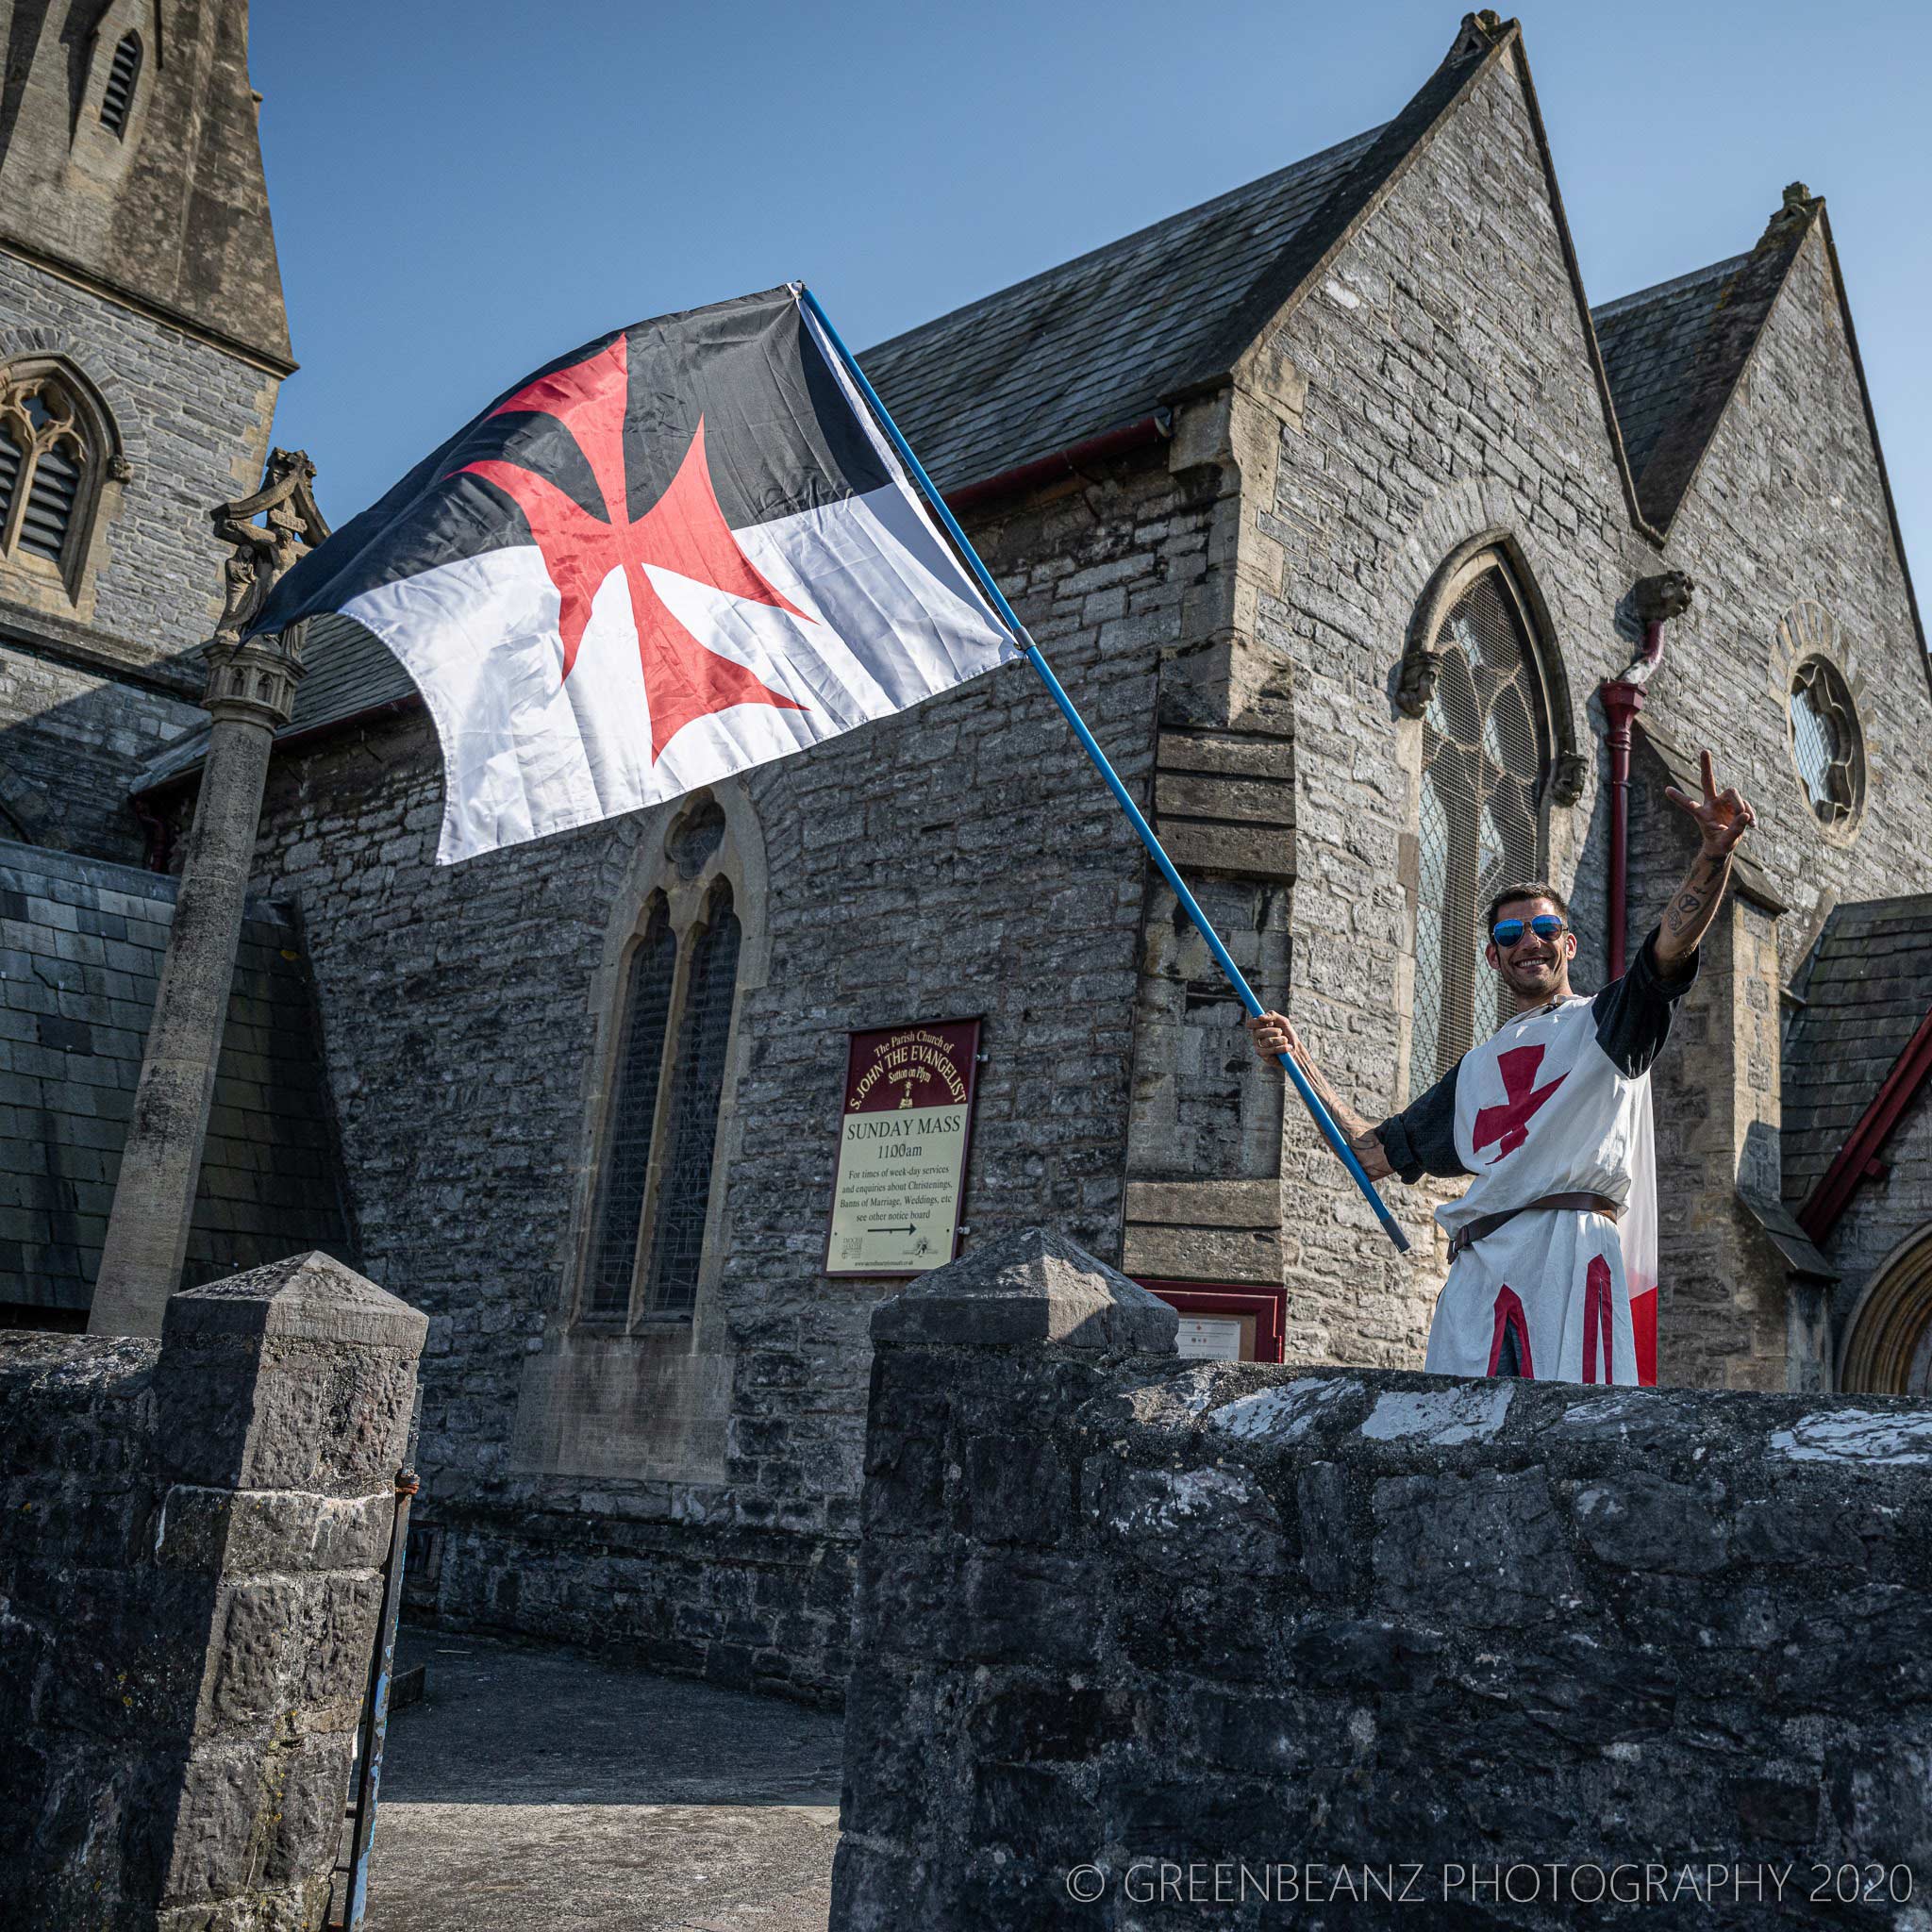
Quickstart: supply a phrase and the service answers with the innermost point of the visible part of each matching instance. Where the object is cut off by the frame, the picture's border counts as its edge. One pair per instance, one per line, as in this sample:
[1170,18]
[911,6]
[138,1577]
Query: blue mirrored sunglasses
[1545,925]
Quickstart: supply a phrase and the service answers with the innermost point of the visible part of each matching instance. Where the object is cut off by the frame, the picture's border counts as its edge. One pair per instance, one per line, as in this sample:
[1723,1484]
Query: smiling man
[1551,1115]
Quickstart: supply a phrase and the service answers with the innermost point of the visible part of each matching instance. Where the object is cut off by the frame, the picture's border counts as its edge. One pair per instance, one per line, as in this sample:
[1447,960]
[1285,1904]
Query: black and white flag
[677,552]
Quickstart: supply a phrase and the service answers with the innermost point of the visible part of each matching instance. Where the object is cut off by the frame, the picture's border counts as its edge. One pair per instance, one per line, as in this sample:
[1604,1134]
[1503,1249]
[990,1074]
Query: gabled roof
[80,957]
[1674,353]
[1099,342]
[1867,991]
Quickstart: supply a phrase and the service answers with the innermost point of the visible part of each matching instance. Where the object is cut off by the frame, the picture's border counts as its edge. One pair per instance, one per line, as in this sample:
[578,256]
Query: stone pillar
[970,1516]
[192,1551]
[251,692]
[283,1400]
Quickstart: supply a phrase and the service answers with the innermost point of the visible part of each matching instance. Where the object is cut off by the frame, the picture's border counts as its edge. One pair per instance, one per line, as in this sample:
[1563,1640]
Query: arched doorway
[1887,1345]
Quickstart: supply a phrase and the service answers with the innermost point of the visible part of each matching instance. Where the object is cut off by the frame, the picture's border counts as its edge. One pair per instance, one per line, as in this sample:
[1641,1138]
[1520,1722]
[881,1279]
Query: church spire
[130,156]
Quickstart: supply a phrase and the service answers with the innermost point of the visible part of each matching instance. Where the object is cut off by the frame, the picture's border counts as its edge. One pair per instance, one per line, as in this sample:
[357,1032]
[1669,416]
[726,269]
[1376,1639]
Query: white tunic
[1556,1102]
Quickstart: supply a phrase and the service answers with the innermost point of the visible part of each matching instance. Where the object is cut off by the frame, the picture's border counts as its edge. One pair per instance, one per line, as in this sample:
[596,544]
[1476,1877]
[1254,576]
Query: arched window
[50,458]
[1887,1345]
[122,73]
[667,1084]
[1485,761]
[633,1118]
[704,1030]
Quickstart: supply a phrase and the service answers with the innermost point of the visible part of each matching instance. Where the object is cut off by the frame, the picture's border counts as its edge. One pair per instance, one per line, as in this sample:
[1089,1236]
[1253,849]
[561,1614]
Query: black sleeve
[1633,1014]
[1421,1138]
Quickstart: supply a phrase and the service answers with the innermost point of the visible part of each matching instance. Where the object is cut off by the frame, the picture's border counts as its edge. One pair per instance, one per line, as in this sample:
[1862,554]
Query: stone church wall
[960,860]
[1126,1624]
[1449,395]
[193,424]
[1787,518]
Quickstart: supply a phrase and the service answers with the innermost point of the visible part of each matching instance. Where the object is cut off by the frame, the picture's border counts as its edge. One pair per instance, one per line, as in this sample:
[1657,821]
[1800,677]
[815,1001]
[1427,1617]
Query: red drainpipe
[1655,599]
[1621,703]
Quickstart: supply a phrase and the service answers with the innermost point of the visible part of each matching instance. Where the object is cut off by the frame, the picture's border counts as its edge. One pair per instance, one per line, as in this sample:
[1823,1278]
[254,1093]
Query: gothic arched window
[633,1118]
[122,73]
[703,1031]
[1485,762]
[667,1083]
[51,454]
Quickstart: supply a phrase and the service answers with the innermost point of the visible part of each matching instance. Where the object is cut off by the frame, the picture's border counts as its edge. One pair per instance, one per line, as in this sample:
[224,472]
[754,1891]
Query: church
[1385,568]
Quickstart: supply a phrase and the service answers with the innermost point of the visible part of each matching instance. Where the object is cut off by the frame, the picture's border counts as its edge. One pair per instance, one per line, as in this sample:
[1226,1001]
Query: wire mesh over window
[684,1195]
[43,459]
[122,74]
[633,1111]
[1484,759]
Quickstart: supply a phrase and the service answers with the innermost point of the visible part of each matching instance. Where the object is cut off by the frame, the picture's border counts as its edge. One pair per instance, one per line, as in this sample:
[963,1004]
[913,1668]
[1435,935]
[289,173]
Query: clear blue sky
[462,192]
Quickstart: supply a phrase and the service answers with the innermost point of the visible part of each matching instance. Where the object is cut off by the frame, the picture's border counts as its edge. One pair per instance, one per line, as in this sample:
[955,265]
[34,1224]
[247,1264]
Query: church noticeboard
[903,1131]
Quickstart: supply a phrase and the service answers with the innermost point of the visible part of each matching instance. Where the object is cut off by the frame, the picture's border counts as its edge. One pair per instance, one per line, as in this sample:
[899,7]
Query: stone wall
[1126,1625]
[191,423]
[1442,390]
[959,859]
[190,1581]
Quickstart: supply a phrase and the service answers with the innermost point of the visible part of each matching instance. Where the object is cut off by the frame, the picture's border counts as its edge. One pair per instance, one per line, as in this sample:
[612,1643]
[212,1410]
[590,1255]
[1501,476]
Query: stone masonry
[1233,596]
[1129,1628]
[190,1581]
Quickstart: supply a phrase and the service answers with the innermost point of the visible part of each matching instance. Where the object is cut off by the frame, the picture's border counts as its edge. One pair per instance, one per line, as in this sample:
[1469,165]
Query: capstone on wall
[960,859]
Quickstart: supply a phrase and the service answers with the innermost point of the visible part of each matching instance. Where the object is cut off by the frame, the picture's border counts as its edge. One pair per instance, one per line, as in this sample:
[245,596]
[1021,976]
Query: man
[1552,1116]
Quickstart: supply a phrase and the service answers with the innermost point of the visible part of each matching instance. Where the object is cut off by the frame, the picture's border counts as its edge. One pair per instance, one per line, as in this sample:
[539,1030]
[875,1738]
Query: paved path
[540,1790]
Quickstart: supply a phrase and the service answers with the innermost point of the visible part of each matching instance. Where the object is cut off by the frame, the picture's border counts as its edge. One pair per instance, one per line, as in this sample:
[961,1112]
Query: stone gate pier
[1147,1643]
[191,1535]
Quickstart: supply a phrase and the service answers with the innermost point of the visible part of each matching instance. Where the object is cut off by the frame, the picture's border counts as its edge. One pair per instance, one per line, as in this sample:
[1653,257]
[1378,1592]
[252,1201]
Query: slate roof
[81,953]
[1099,342]
[1867,987]
[1650,342]
[1672,355]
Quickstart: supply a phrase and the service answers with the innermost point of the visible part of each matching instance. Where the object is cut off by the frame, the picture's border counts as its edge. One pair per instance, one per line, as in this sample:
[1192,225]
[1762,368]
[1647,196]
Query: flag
[1638,1233]
[675,553]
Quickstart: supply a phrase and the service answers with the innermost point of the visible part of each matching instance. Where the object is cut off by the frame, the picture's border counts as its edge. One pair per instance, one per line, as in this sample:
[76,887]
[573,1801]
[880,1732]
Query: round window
[1826,744]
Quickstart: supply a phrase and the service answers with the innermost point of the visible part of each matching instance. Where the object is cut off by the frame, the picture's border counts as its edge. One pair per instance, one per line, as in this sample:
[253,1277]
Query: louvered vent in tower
[120,79]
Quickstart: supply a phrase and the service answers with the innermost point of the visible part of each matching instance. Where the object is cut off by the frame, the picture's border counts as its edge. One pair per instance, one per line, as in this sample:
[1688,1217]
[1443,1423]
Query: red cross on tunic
[1509,1123]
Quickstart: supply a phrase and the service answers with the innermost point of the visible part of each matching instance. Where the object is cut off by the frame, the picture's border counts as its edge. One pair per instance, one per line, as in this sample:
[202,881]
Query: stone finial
[1479,33]
[1030,1286]
[1797,199]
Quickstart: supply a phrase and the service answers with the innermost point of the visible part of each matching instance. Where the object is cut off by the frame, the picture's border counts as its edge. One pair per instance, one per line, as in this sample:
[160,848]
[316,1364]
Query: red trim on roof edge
[1062,463]
[1833,1193]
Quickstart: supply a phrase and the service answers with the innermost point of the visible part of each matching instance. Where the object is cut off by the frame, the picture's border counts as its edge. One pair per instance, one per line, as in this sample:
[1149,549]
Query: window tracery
[668,1082]
[55,450]
[1486,765]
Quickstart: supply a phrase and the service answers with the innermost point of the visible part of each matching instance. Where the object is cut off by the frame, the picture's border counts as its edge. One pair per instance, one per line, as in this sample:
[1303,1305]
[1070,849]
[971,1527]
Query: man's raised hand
[1723,817]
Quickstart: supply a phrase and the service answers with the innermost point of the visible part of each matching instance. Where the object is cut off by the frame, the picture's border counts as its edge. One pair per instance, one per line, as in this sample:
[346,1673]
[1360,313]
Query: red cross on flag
[675,553]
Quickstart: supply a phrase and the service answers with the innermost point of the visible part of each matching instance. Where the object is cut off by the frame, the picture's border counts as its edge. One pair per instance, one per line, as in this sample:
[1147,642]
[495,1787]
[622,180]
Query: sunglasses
[1545,925]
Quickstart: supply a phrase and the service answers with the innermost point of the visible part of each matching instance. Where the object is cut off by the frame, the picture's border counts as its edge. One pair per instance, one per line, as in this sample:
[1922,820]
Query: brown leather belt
[1486,1225]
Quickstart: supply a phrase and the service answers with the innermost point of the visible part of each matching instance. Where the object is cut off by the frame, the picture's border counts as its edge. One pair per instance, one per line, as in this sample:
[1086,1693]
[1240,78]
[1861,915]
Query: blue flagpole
[1223,958]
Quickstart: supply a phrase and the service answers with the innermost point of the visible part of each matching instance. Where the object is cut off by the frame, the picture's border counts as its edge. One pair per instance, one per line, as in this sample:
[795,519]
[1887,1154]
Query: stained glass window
[633,1114]
[684,1194]
[1484,759]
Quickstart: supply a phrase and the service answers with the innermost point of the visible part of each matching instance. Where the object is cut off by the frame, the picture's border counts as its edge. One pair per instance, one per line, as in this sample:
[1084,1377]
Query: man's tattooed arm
[1722,818]
[1692,907]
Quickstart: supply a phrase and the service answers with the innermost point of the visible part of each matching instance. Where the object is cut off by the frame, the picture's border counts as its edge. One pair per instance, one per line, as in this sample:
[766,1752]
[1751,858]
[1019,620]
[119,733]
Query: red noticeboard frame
[860,1050]
[1268,1306]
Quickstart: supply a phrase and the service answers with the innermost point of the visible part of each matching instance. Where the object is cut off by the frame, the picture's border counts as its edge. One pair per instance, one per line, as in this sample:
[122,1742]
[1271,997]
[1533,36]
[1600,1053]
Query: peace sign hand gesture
[1723,817]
